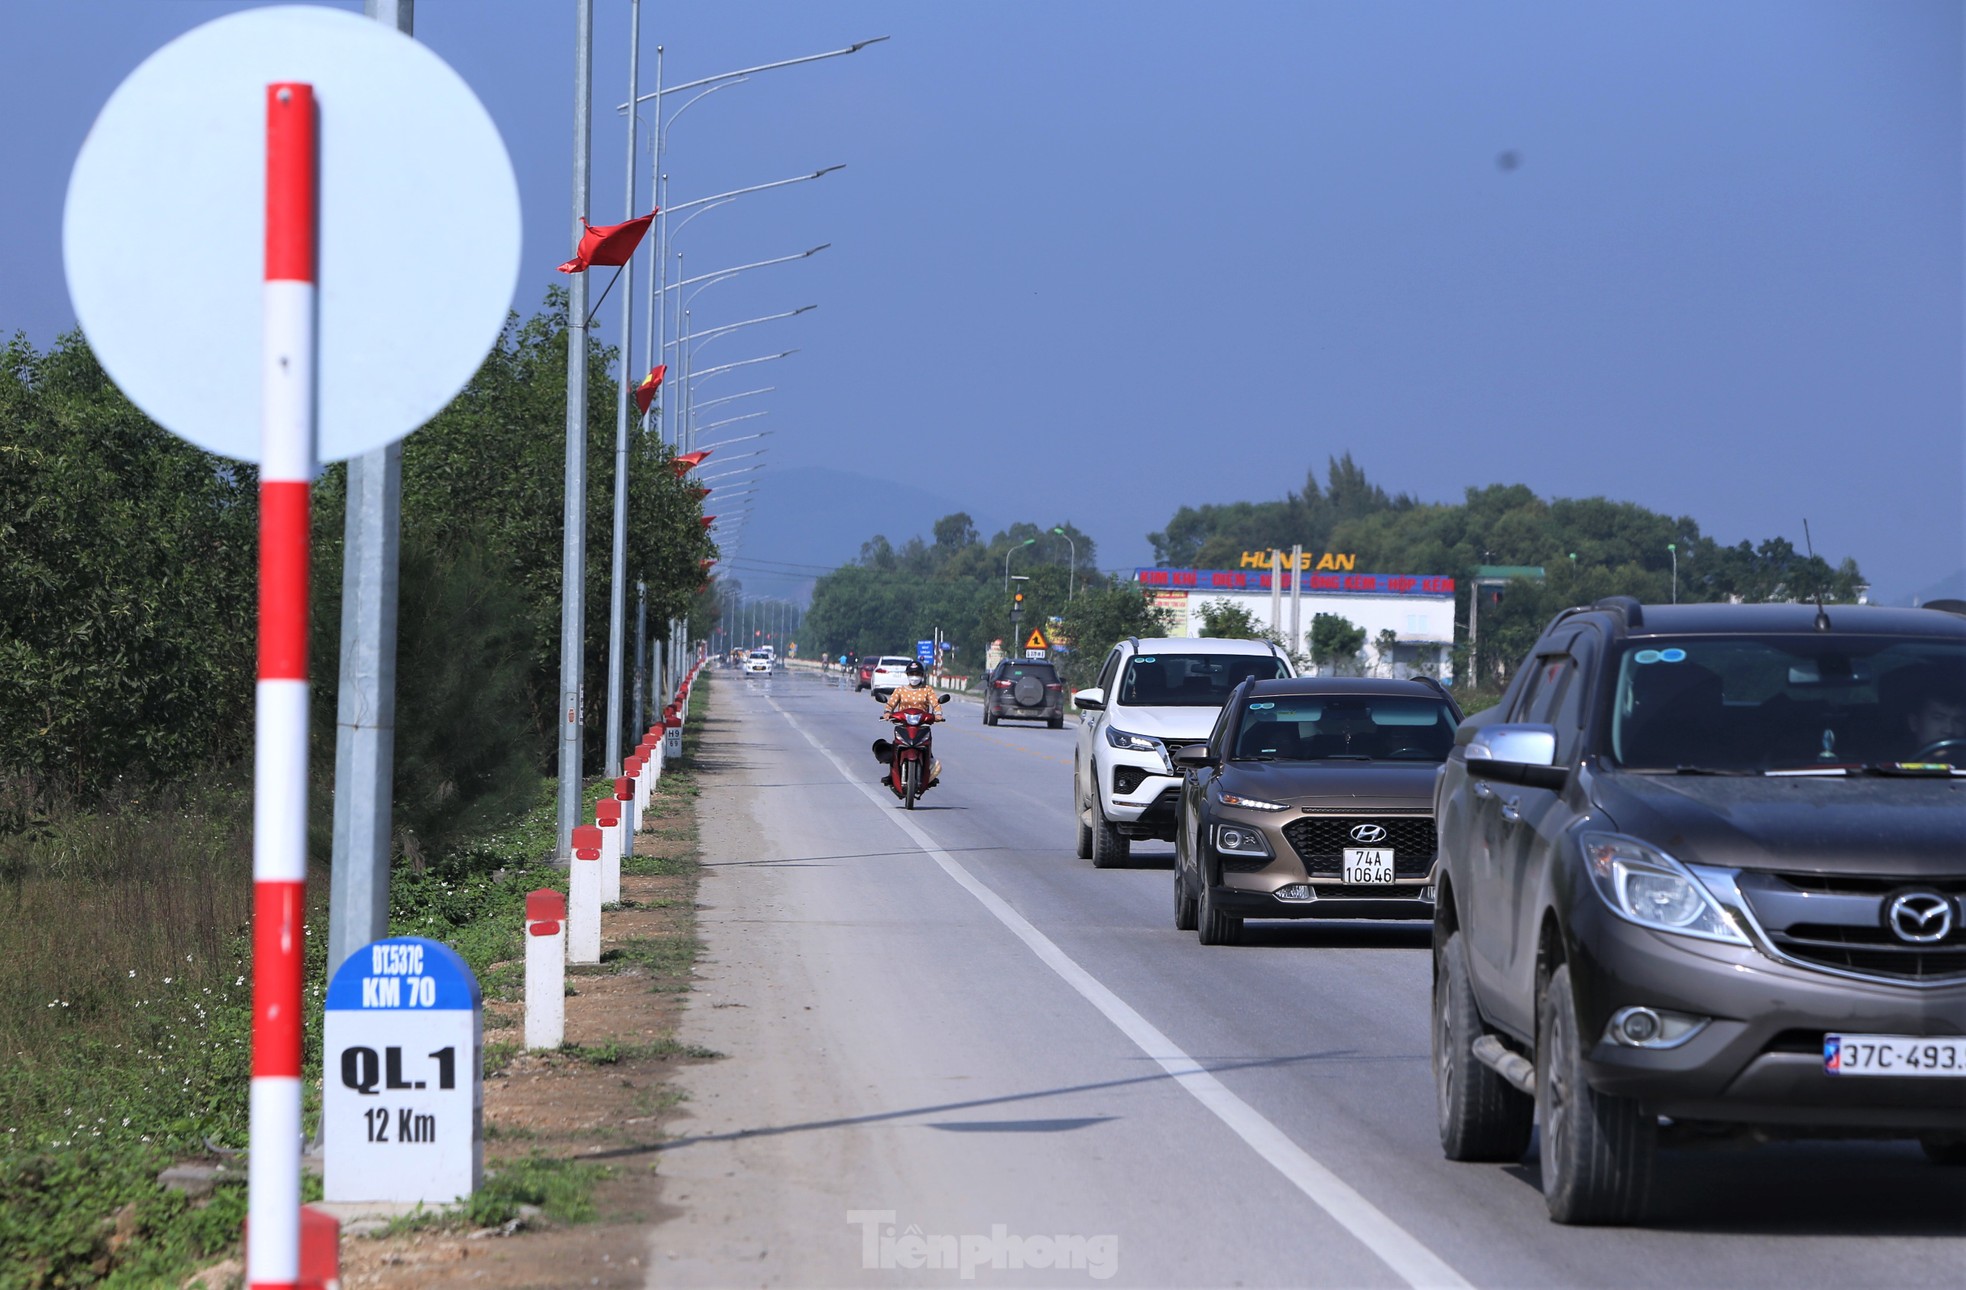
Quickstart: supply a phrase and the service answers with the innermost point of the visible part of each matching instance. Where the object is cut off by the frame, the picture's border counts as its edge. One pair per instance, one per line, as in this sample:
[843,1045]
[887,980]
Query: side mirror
[1516,754]
[1191,756]
[945,698]
[1093,700]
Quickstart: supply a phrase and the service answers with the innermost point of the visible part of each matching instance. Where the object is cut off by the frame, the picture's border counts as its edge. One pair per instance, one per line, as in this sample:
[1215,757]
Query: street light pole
[574,517]
[1006,562]
[1673,547]
[618,562]
[1072,572]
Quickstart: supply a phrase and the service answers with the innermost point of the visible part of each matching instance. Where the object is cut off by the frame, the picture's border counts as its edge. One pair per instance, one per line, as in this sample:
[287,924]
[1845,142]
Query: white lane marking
[1398,1248]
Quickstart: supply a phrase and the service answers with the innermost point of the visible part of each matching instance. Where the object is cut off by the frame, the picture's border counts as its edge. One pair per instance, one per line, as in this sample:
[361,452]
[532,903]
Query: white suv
[1152,694]
[890,674]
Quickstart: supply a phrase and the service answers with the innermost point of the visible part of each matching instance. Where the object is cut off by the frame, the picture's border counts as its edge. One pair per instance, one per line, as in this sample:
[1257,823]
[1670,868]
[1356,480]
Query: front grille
[1854,938]
[1320,842]
[1367,891]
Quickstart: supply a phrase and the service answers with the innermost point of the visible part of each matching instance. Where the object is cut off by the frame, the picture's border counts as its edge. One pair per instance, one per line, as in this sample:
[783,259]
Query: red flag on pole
[607,243]
[708,520]
[688,461]
[645,392]
[700,491]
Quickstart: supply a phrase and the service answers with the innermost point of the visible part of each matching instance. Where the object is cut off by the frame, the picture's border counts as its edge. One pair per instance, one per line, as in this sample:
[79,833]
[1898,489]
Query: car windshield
[1788,703]
[1344,727]
[1191,680]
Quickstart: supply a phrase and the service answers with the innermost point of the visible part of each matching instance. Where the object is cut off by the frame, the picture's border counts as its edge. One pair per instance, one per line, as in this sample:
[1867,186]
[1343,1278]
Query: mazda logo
[1368,833]
[1919,917]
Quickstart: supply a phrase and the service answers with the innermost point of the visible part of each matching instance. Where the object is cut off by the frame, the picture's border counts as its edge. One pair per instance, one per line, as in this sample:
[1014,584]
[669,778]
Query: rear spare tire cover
[1029,692]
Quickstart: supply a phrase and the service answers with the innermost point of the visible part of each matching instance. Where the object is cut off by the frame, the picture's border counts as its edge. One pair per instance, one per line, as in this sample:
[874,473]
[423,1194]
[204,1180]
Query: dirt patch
[600,1103]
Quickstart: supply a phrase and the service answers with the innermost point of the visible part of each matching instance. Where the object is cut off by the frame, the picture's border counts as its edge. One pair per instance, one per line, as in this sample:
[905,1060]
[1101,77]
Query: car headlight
[1136,743]
[1240,840]
[1650,888]
[1249,803]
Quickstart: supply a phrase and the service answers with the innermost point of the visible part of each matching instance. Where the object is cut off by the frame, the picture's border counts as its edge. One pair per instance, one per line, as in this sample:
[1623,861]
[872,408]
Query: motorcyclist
[917,693]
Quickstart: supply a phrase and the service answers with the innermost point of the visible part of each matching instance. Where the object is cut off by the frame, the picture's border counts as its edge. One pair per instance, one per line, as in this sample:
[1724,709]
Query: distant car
[1024,689]
[863,674]
[1313,798]
[890,674]
[758,663]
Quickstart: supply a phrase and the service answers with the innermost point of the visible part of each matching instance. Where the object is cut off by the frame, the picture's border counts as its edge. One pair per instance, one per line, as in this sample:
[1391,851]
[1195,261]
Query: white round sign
[163,236]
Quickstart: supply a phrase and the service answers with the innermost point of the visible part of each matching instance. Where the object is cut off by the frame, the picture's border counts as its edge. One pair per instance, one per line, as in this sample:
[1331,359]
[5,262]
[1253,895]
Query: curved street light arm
[854,48]
[754,188]
[732,398]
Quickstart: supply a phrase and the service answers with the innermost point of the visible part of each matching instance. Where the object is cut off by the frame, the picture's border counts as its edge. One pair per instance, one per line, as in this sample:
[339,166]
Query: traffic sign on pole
[254,306]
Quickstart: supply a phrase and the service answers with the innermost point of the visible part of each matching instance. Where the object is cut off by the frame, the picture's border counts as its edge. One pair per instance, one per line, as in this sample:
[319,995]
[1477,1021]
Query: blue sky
[1176,253]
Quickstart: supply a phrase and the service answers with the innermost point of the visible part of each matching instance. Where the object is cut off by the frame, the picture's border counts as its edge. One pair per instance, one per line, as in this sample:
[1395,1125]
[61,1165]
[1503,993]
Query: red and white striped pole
[286,470]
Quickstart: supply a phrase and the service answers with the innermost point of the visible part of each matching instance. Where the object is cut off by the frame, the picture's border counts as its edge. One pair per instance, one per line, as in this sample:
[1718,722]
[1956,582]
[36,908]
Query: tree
[1335,643]
[1100,618]
[1229,621]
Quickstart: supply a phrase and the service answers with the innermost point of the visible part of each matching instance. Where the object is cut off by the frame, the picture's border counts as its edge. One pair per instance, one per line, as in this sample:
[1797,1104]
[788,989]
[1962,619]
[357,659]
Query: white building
[1417,610]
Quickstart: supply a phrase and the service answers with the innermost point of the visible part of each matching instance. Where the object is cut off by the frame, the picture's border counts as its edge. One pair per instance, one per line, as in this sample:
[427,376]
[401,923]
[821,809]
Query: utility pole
[641,653]
[618,565]
[573,568]
[365,702]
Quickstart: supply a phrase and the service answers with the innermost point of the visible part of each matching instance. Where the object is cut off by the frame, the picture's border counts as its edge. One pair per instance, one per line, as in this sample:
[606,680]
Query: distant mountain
[1950,587]
[811,519]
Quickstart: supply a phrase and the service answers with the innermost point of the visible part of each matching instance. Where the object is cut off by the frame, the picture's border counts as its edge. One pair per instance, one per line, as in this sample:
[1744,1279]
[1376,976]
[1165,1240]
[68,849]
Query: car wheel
[1482,1115]
[1184,904]
[1079,809]
[1214,926]
[1597,1150]
[988,719]
[1110,847]
[1943,1150]
[1056,723]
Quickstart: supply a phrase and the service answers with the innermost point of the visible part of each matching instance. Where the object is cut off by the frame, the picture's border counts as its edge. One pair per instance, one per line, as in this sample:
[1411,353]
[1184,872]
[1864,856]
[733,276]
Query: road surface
[957,1054]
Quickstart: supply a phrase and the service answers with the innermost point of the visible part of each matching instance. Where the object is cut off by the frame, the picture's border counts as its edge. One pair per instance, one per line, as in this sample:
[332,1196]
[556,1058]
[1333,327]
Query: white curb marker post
[546,968]
[584,897]
[607,818]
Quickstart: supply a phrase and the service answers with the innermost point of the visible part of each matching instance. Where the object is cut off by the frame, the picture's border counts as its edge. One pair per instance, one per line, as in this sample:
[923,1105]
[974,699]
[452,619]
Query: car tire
[1110,847]
[1943,1149]
[1212,925]
[1184,905]
[1597,1150]
[1482,1115]
[1079,810]
[1056,723]
[988,718]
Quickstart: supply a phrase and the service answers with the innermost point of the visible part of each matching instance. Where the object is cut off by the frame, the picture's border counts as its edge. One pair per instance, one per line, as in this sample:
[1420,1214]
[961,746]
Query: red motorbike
[910,756]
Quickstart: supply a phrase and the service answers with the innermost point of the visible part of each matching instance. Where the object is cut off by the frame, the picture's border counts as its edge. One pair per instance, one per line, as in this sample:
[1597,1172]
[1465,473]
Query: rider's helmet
[917,674]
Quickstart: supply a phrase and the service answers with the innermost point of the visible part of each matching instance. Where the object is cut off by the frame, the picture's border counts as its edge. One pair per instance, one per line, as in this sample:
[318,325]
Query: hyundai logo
[1920,917]
[1368,833]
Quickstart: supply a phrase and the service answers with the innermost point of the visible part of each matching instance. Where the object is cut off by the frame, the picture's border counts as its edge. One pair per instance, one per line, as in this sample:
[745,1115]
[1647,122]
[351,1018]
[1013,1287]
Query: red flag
[708,520]
[688,461]
[645,392]
[700,491]
[607,243]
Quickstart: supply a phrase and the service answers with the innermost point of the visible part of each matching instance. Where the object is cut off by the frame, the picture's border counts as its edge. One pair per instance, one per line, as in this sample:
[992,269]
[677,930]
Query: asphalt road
[948,1040]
